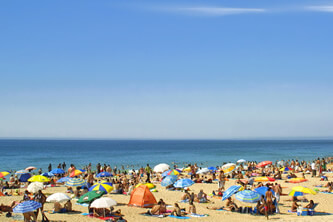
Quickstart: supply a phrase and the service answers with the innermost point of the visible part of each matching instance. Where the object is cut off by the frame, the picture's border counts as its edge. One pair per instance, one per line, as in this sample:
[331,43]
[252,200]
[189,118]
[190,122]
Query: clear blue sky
[166,69]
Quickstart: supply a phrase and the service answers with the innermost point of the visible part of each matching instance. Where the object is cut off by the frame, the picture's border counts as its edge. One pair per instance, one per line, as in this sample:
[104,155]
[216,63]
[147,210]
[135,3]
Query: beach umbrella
[75,173]
[304,190]
[230,191]
[35,187]
[75,182]
[170,172]
[183,183]
[38,178]
[57,171]
[24,177]
[149,185]
[159,168]
[187,169]
[285,169]
[263,164]
[297,180]
[280,163]
[104,174]
[248,196]
[90,196]
[48,174]
[63,179]
[27,206]
[241,161]
[58,197]
[103,202]
[212,168]
[294,193]
[103,186]
[168,180]
[30,168]
[21,172]
[203,171]
[263,190]
[229,167]
[4,173]
[264,179]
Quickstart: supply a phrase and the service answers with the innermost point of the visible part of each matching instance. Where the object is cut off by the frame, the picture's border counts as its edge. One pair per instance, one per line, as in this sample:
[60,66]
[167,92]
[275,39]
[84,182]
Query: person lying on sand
[230,205]
[177,211]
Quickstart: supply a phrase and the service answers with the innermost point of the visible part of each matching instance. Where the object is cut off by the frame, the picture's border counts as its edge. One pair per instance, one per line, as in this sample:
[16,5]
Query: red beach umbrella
[264,163]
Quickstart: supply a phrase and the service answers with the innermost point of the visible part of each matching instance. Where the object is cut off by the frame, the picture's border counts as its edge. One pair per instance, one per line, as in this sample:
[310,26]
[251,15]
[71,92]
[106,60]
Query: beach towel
[102,218]
[150,215]
[85,214]
[199,215]
[184,201]
[325,192]
[178,217]
[83,204]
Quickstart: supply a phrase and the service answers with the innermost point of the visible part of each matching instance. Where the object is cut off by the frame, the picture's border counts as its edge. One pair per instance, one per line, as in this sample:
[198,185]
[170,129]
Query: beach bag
[299,211]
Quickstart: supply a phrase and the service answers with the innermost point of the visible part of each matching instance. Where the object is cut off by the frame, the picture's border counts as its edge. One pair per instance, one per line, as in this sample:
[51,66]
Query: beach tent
[142,197]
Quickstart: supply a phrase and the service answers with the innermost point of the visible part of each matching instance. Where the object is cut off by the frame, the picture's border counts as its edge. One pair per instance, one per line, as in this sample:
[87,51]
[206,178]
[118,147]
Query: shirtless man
[221,180]
[269,200]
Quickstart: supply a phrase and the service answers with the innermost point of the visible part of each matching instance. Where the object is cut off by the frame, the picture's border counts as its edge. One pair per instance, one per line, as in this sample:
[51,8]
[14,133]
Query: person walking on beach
[313,168]
[269,200]
[63,165]
[98,168]
[148,172]
[41,198]
[221,180]
[50,167]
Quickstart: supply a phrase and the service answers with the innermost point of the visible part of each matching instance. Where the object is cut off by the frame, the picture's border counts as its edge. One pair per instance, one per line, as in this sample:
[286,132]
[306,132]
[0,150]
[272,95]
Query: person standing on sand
[63,165]
[221,180]
[148,172]
[50,167]
[269,200]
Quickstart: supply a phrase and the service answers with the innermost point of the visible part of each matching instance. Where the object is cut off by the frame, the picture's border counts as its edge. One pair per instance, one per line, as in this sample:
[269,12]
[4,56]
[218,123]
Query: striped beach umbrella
[21,172]
[297,180]
[182,183]
[168,180]
[27,206]
[104,174]
[170,172]
[75,173]
[285,169]
[294,193]
[75,182]
[103,186]
[304,190]
[264,179]
[248,196]
[3,174]
[228,168]
[230,191]
[38,178]
[263,164]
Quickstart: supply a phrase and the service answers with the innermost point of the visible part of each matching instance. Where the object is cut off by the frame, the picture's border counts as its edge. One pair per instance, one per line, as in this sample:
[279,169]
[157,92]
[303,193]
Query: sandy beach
[170,197]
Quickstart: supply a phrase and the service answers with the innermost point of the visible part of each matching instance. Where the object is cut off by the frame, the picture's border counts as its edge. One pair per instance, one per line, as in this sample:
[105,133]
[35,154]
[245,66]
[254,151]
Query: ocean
[19,154]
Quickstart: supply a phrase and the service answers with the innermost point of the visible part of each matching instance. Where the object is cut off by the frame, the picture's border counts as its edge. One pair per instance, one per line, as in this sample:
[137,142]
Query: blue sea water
[18,154]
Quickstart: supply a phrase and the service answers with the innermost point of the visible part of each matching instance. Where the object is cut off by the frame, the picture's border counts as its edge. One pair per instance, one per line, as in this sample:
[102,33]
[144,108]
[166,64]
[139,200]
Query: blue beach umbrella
[248,196]
[212,168]
[63,179]
[75,182]
[183,183]
[165,173]
[27,206]
[102,186]
[57,171]
[104,174]
[24,177]
[263,190]
[168,180]
[230,191]
[49,174]
[21,172]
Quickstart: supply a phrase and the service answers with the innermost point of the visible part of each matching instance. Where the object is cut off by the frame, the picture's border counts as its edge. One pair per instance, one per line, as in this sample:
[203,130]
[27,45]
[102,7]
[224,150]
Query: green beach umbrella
[90,196]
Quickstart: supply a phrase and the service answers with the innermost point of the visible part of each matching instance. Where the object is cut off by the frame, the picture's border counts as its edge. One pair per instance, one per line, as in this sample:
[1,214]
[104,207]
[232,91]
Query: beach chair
[307,212]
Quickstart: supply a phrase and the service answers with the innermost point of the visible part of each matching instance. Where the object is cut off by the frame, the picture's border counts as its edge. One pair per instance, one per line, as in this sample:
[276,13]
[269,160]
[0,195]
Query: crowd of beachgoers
[245,187]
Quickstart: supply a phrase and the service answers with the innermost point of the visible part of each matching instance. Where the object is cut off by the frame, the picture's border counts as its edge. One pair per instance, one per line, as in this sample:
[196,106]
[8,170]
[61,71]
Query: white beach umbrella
[103,202]
[203,171]
[241,161]
[229,167]
[58,197]
[35,187]
[160,168]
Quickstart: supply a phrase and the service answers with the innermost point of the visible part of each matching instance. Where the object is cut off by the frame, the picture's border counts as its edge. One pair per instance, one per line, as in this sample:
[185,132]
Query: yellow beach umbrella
[38,178]
[149,185]
[188,169]
[229,167]
[304,190]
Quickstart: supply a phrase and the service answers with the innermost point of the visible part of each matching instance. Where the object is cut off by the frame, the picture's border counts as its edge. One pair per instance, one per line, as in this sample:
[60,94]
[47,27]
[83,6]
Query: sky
[174,69]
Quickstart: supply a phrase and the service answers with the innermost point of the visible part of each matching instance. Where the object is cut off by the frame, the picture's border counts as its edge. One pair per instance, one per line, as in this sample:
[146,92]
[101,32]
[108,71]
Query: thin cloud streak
[321,8]
[217,11]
